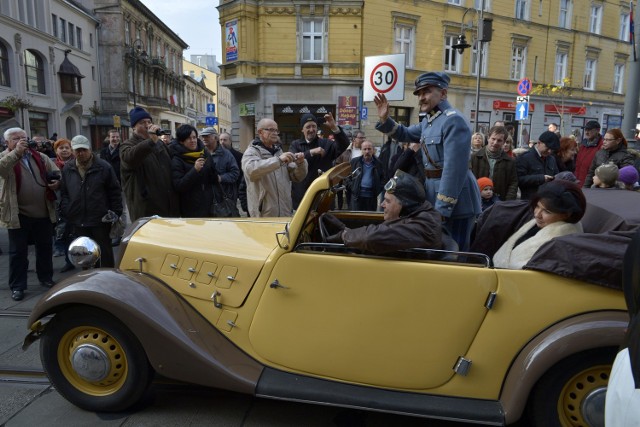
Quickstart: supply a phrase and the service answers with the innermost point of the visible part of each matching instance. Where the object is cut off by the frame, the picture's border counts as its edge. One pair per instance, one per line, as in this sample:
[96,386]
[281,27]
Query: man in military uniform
[442,138]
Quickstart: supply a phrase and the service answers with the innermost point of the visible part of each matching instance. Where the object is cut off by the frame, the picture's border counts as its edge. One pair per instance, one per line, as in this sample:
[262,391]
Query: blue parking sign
[364,113]
[211,108]
[211,121]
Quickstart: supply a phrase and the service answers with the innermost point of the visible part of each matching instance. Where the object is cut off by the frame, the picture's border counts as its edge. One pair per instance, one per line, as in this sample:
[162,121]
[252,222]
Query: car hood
[199,256]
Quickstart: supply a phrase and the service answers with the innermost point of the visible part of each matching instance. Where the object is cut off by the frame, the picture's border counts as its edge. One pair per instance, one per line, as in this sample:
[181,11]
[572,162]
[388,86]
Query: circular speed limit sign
[384,77]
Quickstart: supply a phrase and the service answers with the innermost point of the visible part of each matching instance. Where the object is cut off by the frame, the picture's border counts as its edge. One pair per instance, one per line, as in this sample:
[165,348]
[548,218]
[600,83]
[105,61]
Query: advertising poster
[347,110]
[231,34]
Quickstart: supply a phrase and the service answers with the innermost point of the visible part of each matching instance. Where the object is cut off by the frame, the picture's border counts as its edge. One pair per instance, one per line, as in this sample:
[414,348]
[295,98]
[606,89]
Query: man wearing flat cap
[145,168]
[538,165]
[319,152]
[590,145]
[442,141]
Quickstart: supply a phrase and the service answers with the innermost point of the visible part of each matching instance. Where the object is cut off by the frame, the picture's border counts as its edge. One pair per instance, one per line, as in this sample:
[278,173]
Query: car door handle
[276,284]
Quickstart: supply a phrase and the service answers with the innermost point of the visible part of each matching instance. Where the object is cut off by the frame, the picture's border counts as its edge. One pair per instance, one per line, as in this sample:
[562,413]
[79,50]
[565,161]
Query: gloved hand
[335,238]
[332,223]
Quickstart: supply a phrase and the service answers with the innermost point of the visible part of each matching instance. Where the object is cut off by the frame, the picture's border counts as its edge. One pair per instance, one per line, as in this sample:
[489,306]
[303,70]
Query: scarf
[192,156]
[60,163]
[17,170]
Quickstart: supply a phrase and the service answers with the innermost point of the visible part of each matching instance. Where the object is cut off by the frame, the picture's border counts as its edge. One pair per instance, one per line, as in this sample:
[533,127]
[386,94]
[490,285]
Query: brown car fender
[568,337]
[179,342]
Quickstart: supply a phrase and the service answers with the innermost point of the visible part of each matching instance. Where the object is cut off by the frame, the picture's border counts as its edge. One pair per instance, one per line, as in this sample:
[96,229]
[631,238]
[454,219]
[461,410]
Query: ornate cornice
[279,10]
[353,11]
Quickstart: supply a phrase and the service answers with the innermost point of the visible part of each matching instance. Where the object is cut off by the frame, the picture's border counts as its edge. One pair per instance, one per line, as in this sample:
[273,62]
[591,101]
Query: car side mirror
[283,237]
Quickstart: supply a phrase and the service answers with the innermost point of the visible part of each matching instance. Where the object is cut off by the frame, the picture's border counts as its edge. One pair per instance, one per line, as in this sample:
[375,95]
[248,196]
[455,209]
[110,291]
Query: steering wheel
[324,233]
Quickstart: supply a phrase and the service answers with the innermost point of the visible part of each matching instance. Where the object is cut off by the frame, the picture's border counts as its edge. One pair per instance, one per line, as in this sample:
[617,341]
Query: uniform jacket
[332,149]
[145,169]
[445,134]
[269,181]
[531,169]
[378,176]
[228,171]
[584,158]
[620,157]
[515,258]
[505,177]
[85,201]
[9,191]
[420,229]
[112,158]
[195,189]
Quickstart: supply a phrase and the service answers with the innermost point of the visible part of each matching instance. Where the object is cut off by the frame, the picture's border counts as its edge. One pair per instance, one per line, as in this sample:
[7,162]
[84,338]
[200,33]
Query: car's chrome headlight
[84,252]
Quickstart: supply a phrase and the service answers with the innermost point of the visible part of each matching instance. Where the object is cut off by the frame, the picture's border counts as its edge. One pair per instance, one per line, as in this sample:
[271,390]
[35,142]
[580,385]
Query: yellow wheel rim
[576,390]
[78,337]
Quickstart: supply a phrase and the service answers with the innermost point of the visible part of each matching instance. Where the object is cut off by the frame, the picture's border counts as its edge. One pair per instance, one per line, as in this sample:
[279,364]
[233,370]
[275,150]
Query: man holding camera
[28,181]
[145,170]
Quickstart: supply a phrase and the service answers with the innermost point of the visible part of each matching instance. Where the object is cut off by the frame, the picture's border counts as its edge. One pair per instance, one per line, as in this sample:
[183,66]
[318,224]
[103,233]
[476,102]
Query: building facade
[283,59]
[48,67]
[197,98]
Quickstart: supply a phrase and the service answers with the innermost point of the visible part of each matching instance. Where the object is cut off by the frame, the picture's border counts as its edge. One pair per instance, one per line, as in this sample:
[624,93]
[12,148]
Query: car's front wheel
[572,393]
[94,361]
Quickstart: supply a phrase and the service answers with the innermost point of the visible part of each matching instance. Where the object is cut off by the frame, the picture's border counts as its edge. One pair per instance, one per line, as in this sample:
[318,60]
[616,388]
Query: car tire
[94,361]
[571,392]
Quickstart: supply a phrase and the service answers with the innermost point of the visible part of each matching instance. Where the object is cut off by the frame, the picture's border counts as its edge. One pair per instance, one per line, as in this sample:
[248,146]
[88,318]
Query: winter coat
[9,190]
[505,177]
[145,169]
[228,171]
[422,228]
[85,201]
[269,180]
[378,176]
[620,157]
[531,169]
[586,152]
[112,158]
[332,149]
[515,258]
[445,135]
[386,158]
[195,189]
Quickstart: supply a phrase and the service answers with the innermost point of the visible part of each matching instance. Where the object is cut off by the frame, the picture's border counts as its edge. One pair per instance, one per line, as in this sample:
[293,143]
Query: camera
[32,144]
[53,176]
[163,132]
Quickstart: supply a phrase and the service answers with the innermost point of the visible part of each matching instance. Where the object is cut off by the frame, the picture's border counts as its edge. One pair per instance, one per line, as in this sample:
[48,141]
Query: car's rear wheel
[94,361]
[572,393]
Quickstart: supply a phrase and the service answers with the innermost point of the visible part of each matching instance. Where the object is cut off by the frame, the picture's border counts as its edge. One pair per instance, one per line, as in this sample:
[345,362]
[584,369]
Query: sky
[195,21]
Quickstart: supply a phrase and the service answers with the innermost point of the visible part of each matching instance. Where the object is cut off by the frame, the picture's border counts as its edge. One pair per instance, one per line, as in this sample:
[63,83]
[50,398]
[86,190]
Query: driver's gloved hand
[333,223]
[336,238]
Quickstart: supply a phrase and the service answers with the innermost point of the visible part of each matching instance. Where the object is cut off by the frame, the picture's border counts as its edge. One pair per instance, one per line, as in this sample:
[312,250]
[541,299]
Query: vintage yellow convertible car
[263,306]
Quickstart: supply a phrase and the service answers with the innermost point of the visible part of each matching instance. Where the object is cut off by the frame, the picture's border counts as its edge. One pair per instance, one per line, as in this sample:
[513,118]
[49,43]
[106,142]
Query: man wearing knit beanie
[145,170]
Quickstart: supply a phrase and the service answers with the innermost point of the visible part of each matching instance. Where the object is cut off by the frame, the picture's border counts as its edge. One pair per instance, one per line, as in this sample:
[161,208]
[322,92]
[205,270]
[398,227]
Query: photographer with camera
[145,170]
[89,190]
[28,182]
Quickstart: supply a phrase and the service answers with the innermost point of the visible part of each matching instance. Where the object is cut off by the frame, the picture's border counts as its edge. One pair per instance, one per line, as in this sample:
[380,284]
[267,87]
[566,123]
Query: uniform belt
[433,173]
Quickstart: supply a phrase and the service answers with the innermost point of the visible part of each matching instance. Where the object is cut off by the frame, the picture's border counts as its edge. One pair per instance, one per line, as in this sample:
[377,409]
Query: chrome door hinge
[462,366]
[491,299]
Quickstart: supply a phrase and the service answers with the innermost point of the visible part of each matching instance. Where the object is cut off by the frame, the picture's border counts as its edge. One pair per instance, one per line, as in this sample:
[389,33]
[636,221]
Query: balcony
[157,62]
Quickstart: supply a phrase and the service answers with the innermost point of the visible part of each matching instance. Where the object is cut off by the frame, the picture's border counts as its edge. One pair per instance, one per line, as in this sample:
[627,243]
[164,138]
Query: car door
[372,320]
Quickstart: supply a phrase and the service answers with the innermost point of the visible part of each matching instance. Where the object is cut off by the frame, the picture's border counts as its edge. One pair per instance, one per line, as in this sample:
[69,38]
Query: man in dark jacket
[588,149]
[367,184]
[145,169]
[492,162]
[389,151]
[319,152]
[225,140]
[225,164]
[410,221]
[537,166]
[111,153]
[89,190]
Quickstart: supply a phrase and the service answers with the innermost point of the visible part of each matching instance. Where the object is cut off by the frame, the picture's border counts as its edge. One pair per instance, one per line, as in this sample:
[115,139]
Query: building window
[72,34]
[522,9]
[127,33]
[474,59]
[312,39]
[618,78]
[405,42]
[452,59]
[590,74]
[93,73]
[560,72]
[564,18]
[624,27]
[54,25]
[595,21]
[34,72]
[62,29]
[79,38]
[478,4]
[518,61]
[91,40]
[456,2]
[400,115]
[4,66]
[70,84]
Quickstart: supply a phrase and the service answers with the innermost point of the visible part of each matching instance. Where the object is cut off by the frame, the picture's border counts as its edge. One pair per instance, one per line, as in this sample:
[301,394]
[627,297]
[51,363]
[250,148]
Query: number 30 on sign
[384,74]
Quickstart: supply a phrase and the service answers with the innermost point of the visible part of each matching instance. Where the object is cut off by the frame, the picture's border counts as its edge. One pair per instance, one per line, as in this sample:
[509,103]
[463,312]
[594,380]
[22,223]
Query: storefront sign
[248,109]
[317,110]
[347,110]
[510,106]
[558,109]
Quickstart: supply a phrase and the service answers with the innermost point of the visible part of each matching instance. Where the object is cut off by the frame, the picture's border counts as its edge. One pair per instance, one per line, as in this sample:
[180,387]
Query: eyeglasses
[391,185]
[609,139]
[18,138]
[360,137]
[271,130]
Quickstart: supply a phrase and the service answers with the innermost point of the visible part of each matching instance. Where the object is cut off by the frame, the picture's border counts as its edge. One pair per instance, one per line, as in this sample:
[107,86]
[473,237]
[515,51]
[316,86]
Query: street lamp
[137,52]
[483,34]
